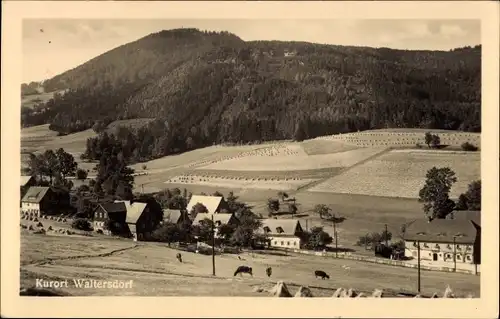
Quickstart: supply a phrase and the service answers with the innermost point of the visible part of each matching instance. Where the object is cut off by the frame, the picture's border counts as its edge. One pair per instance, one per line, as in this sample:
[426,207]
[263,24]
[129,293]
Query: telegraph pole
[335,234]
[386,240]
[418,266]
[213,246]
[454,254]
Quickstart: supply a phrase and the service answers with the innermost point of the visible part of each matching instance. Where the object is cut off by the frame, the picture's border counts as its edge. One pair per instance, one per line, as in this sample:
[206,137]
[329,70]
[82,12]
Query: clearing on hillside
[292,157]
[401,173]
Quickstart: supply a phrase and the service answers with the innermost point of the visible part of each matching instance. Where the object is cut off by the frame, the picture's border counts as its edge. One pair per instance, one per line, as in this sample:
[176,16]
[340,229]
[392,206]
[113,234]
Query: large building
[114,212]
[40,201]
[446,240]
[214,204]
[282,233]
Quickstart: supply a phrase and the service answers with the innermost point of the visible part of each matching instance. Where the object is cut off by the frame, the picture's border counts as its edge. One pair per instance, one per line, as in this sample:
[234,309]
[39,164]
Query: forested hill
[212,87]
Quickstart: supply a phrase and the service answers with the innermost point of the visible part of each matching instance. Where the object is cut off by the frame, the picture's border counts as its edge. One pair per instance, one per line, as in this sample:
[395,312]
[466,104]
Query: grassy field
[34,99]
[401,173]
[156,272]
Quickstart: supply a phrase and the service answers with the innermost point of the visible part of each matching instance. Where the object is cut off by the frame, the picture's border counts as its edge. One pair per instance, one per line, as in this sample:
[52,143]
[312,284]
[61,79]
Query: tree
[322,210]
[471,199]
[293,209]
[81,174]
[273,205]
[317,238]
[203,230]
[435,192]
[168,232]
[428,139]
[468,147]
[436,141]
[67,165]
[226,231]
[198,208]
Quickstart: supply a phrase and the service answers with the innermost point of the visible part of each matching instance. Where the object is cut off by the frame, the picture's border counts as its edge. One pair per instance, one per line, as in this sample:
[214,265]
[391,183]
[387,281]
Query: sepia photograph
[251,157]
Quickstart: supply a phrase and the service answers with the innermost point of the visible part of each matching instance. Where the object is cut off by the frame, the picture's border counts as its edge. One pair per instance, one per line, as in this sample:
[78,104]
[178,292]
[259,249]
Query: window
[425,245]
[295,243]
[469,258]
[276,242]
[279,229]
[288,243]
[267,229]
[448,255]
[282,243]
[448,246]
[436,246]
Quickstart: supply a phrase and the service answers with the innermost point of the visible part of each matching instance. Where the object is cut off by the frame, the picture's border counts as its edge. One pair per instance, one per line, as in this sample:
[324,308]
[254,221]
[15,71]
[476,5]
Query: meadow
[156,272]
[401,173]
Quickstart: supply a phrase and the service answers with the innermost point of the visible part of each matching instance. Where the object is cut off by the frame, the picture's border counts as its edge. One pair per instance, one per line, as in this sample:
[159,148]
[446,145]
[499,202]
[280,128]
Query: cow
[321,273]
[243,269]
[269,271]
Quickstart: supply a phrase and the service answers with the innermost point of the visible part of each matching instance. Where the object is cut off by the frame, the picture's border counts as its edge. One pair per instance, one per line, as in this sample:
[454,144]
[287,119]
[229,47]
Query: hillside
[207,87]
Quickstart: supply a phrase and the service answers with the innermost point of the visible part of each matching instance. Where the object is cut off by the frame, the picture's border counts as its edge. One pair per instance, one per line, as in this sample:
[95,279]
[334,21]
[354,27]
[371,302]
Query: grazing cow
[269,271]
[179,257]
[321,273]
[243,269]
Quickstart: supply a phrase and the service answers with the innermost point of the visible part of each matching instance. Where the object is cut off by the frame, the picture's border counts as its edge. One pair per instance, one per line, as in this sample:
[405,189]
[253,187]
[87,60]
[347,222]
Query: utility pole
[142,187]
[366,242]
[335,234]
[306,225]
[213,246]
[454,254]
[418,266]
[386,239]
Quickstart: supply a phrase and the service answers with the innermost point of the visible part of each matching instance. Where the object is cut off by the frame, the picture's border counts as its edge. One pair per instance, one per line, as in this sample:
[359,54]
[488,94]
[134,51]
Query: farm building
[214,204]
[175,216]
[282,233]
[442,239]
[115,212]
[26,183]
[142,218]
[219,219]
[45,201]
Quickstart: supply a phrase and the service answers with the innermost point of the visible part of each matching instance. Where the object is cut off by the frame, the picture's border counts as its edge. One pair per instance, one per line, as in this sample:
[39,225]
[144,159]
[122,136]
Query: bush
[468,147]
[81,174]
[81,224]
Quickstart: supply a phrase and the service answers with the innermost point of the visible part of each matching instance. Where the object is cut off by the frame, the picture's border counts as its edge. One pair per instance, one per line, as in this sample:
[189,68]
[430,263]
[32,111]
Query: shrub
[81,174]
[81,224]
[468,147]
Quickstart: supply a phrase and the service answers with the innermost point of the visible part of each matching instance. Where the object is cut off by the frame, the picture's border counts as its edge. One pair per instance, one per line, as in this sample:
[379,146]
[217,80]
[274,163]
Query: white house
[444,240]
[282,233]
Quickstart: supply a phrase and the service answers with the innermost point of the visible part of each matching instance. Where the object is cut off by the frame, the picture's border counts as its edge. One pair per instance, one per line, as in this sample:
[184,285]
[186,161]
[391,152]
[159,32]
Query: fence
[391,262]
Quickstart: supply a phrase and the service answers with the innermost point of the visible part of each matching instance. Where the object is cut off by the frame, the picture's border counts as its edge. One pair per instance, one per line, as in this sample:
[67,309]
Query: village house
[141,218]
[114,212]
[26,183]
[40,201]
[282,233]
[176,216]
[442,240]
[214,204]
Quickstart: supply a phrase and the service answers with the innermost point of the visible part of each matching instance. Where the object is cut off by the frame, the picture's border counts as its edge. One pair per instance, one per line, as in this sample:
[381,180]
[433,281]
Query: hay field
[290,158]
[401,173]
[156,272]
[241,182]
[404,138]
[320,146]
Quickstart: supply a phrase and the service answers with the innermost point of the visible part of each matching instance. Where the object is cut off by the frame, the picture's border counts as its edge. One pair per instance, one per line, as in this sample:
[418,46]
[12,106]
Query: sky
[51,47]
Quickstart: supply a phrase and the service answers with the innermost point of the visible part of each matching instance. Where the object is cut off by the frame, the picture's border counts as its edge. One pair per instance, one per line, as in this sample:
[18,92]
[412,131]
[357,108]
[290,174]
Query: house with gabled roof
[40,201]
[114,212]
[445,240]
[282,233]
[214,204]
[219,220]
[142,218]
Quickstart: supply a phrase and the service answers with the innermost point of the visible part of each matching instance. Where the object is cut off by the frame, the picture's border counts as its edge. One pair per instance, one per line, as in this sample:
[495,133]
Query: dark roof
[473,215]
[35,194]
[114,207]
[442,230]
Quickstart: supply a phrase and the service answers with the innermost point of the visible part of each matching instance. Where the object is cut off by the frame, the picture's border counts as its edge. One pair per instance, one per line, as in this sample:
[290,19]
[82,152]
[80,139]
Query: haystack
[304,292]
[50,228]
[378,293]
[280,290]
[360,295]
[39,224]
[448,293]
[435,295]
[417,296]
[338,293]
[351,293]
[35,219]
[31,227]
[259,289]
